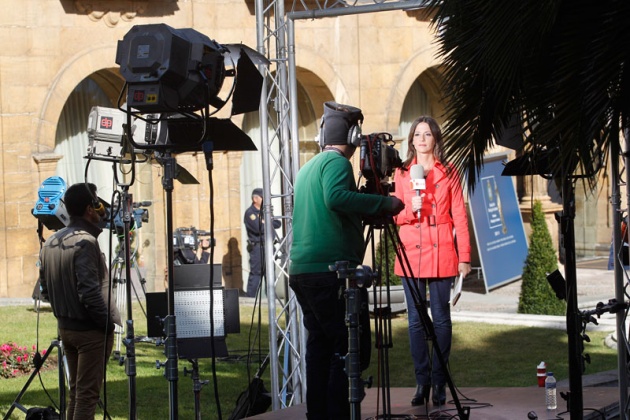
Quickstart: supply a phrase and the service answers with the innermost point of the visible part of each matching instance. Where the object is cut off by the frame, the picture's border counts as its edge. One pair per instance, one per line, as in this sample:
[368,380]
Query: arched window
[72,139]
[416,103]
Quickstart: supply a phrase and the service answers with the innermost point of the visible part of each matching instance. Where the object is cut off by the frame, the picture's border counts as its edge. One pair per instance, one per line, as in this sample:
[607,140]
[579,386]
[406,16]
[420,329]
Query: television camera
[186,240]
[378,159]
[190,238]
[140,215]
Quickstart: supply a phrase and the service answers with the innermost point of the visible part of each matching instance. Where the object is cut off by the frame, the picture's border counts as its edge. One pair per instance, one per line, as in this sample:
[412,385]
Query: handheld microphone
[418,182]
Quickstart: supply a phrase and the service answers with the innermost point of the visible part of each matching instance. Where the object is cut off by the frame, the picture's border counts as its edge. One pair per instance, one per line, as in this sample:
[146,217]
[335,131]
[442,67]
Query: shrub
[537,296]
[15,360]
[391,260]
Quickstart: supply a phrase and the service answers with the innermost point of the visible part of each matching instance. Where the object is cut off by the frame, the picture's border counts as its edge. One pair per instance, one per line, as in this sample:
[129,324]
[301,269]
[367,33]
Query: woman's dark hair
[437,135]
[78,197]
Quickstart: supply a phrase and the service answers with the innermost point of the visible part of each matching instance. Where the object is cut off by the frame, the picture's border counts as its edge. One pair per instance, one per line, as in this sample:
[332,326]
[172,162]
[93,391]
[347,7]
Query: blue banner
[496,218]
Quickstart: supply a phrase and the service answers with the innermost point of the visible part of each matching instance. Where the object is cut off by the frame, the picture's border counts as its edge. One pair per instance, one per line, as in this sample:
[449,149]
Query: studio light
[169,69]
[50,208]
[106,132]
[176,76]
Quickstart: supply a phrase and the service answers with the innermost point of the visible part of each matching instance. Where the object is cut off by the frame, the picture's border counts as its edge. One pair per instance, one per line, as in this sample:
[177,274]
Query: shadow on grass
[153,390]
[485,355]
[482,355]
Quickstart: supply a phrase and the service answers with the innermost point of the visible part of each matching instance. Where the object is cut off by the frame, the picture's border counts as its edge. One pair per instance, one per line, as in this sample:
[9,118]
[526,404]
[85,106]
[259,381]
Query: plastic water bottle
[550,392]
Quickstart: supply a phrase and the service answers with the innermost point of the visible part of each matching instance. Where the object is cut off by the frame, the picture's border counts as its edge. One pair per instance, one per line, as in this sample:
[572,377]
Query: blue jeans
[324,309]
[439,294]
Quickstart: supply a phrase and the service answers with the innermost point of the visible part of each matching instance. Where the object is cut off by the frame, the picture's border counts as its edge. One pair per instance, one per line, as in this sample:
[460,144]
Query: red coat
[430,244]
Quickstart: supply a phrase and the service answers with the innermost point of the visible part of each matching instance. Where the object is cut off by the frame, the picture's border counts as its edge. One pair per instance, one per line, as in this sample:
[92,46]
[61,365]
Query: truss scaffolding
[275,28]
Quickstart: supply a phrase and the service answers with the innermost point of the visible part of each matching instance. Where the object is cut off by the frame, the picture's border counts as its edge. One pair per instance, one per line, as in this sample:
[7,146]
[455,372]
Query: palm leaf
[558,65]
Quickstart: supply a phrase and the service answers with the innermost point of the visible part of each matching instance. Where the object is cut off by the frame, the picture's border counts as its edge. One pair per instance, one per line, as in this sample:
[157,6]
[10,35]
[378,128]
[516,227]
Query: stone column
[535,187]
[46,164]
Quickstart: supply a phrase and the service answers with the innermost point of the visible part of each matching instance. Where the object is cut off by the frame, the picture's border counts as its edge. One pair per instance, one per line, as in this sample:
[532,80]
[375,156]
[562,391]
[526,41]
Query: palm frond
[559,65]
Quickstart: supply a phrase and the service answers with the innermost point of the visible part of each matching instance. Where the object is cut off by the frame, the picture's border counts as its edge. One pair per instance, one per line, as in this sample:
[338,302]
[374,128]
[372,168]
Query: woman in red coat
[434,235]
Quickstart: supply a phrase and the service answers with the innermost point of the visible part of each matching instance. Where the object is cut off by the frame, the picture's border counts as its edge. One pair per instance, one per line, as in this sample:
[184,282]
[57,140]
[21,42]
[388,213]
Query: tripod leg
[382,323]
[62,391]
[134,263]
[121,303]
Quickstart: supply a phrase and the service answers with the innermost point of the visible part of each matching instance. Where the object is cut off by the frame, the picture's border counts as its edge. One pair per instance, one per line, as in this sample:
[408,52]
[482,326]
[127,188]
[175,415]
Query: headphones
[98,207]
[97,204]
[353,139]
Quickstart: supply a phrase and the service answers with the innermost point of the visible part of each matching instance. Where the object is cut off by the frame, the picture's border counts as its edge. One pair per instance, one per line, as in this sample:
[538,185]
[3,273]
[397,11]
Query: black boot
[421,395]
[439,395]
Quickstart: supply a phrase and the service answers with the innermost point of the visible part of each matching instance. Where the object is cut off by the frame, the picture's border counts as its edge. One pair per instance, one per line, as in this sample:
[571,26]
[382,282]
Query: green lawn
[482,355]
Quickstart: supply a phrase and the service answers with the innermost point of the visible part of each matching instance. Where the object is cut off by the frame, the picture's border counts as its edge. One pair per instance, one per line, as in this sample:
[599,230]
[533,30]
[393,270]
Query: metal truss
[280,163]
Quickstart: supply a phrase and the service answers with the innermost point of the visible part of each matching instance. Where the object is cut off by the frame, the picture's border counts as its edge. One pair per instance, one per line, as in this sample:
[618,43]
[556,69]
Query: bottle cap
[549,373]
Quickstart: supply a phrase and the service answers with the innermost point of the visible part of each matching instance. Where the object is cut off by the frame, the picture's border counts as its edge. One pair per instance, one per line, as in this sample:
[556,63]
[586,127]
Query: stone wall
[50,46]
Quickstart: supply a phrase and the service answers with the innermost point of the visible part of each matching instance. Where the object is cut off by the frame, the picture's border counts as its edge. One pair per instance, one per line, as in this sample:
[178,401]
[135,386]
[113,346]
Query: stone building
[57,60]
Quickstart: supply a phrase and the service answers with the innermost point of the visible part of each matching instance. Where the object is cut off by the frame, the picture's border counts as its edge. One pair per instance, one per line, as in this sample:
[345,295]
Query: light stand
[129,341]
[197,385]
[119,282]
[531,164]
[576,346]
[38,361]
[170,328]
[198,64]
[171,172]
[62,382]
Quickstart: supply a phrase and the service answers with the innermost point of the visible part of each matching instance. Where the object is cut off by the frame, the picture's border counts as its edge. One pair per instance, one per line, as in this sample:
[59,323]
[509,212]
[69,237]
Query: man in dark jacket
[74,277]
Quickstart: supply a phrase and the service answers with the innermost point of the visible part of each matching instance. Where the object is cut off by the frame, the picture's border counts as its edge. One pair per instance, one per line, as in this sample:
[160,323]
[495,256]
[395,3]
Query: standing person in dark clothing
[254,224]
[327,227]
[74,277]
[203,255]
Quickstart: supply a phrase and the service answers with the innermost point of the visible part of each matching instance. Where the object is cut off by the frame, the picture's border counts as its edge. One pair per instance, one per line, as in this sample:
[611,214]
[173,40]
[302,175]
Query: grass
[483,355]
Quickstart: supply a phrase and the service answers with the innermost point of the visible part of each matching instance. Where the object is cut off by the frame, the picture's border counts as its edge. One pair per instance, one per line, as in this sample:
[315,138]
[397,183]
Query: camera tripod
[55,344]
[383,315]
[356,281]
[119,280]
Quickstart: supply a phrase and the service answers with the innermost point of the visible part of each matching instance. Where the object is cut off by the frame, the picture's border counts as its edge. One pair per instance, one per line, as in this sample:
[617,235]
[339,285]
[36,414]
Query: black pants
[255,269]
[324,307]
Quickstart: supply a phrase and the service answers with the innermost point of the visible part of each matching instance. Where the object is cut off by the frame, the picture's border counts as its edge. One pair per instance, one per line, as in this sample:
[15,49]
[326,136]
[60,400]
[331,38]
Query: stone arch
[320,79]
[423,65]
[94,60]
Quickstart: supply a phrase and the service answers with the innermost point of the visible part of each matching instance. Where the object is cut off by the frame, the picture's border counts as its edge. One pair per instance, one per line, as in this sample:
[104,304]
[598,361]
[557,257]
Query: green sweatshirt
[327,216]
